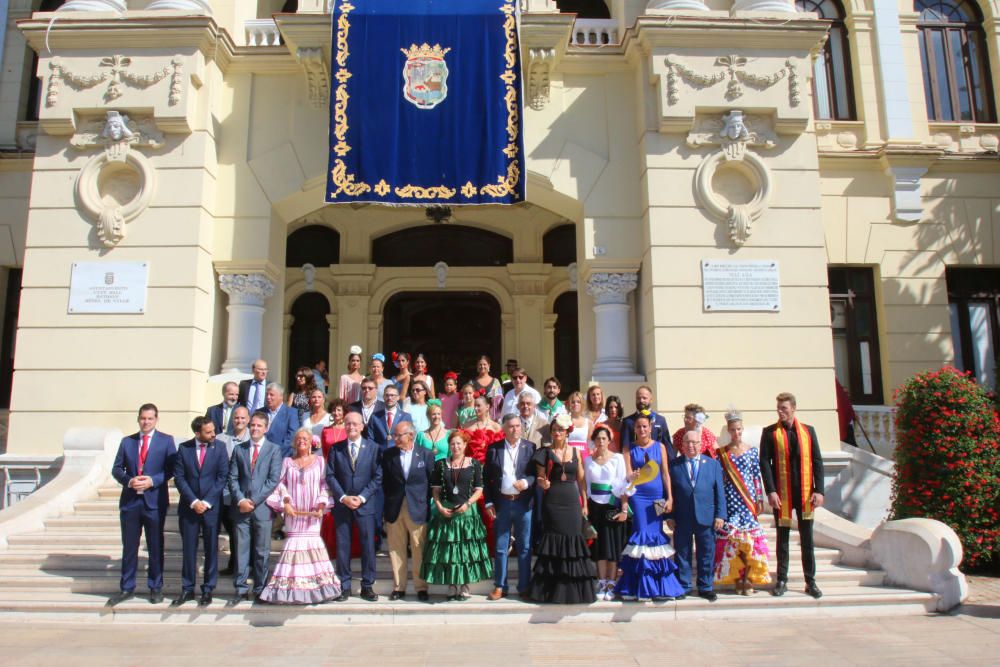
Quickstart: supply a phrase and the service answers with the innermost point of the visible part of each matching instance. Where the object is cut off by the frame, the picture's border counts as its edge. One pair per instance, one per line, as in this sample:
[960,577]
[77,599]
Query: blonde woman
[580,424]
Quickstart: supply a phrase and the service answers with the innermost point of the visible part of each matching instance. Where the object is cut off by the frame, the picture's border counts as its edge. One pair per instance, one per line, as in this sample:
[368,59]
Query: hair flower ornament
[355,349]
[378,356]
[564,421]
[645,413]
[434,402]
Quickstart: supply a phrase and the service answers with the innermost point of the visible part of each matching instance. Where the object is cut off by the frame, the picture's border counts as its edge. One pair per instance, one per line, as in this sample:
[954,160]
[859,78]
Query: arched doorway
[309,339]
[567,342]
[451,329]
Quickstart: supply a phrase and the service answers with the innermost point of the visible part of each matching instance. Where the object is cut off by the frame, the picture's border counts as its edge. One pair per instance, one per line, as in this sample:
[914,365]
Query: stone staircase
[67,571]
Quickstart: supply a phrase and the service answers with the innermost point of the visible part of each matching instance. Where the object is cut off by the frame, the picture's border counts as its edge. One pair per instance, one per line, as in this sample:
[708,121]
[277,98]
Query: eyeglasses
[420,389]
[300,377]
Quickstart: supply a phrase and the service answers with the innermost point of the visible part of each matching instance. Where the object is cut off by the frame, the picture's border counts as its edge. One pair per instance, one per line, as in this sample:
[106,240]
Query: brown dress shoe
[496,594]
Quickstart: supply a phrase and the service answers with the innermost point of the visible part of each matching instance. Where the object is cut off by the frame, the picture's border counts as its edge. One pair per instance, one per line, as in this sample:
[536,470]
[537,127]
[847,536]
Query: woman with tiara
[376,369]
[350,382]
[648,573]
[741,554]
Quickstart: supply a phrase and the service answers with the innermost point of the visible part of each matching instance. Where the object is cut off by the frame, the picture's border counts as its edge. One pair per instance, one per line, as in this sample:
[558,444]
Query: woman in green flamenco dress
[455,553]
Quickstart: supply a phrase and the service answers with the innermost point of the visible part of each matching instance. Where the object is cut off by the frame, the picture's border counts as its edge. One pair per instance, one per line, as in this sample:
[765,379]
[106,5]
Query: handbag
[588,531]
[660,506]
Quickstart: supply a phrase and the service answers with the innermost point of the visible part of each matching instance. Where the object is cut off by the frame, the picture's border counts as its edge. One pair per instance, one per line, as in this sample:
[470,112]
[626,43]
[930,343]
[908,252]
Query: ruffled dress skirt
[647,568]
[740,551]
[564,572]
[610,541]
[455,552]
[303,573]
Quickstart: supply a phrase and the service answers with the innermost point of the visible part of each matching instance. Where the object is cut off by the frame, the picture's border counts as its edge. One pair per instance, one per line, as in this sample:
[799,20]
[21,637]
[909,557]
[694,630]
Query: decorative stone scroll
[115,70]
[735,74]
[114,187]
[317,76]
[246,289]
[734,133]
[611,287]
[539,69]
[612,324]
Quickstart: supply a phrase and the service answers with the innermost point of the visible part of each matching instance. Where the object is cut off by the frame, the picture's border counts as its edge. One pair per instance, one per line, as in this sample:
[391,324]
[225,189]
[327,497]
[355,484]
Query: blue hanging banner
[425,106]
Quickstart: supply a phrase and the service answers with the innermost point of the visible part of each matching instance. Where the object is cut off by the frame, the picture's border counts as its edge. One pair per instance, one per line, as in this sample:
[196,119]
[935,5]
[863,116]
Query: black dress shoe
[779,589]
[368,595]
[236,599]
[423,596]
[344,595]
[813,590]
[120,597]
[682,596]
[662,598]
[186,596]
[156,597]
[711,596]
[395,595]
[206,599]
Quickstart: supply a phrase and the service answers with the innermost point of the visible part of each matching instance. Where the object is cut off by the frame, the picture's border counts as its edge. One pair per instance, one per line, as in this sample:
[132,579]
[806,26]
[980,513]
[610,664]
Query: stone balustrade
[594,32]
[876,424]
[262,32]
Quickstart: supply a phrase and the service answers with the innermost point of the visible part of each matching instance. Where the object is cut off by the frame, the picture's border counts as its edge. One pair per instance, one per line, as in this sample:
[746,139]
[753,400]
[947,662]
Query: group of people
[452,484]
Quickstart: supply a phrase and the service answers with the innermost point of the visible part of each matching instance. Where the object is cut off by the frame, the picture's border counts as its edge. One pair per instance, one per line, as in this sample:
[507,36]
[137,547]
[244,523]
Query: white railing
[594,32]
[262,32]
[878,422]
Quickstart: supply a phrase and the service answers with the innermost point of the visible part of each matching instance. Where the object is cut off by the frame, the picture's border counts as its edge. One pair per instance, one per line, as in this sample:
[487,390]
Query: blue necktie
[693,470]
[253,400]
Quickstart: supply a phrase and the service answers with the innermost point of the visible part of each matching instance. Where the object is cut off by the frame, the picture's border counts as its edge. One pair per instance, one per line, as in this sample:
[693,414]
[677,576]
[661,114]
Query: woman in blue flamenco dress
[648,573]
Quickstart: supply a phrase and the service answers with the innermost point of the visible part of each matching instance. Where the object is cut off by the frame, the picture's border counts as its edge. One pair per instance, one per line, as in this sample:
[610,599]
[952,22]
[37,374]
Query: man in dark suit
[254,472]
[799,489]
[509,475]
[282,421]
[200,475]
[221,415]
[369,402]
[380,427]
[699,510]
[406,485]
[658,424]
[354,476]
[251,394]
[143,466]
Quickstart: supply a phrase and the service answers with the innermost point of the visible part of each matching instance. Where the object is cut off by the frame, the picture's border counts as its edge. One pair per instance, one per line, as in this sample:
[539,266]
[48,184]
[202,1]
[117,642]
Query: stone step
[70,607]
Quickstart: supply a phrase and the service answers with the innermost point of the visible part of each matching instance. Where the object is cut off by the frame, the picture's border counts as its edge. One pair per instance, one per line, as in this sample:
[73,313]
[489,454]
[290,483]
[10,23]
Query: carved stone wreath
[733,70]
[115,186]
[734,133]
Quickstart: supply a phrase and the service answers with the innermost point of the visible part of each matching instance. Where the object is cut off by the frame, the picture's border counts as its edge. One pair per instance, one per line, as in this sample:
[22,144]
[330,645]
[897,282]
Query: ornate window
[833,94]
[559,245]
[953,54]
[313,244]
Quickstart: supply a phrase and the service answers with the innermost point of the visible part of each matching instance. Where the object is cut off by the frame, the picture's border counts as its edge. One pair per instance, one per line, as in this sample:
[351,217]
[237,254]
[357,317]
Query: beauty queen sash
[783,457]
[737,480]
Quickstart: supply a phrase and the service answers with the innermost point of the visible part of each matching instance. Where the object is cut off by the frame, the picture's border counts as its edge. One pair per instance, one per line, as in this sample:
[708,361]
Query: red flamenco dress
[481,440]
[327,529]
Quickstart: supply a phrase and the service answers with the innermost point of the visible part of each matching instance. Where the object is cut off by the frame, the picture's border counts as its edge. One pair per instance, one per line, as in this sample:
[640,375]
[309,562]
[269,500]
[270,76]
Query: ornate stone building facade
[850,148]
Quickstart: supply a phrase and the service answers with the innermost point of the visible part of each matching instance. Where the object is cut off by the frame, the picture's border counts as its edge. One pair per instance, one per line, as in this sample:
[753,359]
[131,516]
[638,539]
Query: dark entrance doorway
[567,342]
[451,329]
[309,339]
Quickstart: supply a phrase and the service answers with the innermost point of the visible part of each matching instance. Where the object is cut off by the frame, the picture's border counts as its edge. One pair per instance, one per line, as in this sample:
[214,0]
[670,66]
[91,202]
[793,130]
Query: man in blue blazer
[282,421]
[380,426]
[200,475]
[699,510]
[508,476]
[406,485]
[222,414]
[658,424]
[369,402]
[254,472]
[143,466]
[354,476]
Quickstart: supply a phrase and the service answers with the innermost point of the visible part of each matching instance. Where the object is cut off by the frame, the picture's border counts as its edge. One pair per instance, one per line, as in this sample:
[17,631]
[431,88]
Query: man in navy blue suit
[143,466]
[354,475]
[282,421]
[369,402]
[379,426]
[222,414]
[200,475]
[658,424]
[699,510]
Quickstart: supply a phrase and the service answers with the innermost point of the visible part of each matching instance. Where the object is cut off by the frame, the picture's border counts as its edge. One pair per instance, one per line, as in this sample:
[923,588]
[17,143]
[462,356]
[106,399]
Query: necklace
[434,435]
[456,474]
[562,463]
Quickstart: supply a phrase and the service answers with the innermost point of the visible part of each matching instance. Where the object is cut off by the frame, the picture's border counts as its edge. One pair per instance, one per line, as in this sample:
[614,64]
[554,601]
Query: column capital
[196,7]
[249,289]
[611,287]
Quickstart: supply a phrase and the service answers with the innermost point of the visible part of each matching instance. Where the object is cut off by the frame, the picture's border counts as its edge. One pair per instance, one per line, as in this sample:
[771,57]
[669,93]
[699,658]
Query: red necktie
[256,453]
[143,452]
[388,421]
[201,455]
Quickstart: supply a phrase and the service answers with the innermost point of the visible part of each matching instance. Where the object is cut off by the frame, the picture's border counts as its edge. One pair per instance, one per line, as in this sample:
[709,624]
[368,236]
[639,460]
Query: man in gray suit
[254,471]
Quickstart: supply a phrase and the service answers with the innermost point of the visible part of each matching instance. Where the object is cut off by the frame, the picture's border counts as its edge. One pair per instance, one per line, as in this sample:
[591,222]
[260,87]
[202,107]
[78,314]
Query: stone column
[612,325]
[247,294]
[678,5]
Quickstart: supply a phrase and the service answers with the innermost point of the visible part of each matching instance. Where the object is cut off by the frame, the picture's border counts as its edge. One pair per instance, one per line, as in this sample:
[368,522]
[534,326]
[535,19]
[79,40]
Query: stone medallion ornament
[425,75]
[116,185]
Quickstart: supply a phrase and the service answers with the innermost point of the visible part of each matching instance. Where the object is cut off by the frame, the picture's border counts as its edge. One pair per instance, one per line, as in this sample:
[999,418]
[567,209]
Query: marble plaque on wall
[108,287]
[749,285]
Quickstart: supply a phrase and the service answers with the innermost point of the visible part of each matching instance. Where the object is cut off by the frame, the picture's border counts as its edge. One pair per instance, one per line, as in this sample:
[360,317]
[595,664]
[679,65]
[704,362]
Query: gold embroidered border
[346,183]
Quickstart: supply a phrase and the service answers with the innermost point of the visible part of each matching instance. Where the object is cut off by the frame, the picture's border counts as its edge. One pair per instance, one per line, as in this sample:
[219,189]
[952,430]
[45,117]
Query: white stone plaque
[108,287]
[740,285]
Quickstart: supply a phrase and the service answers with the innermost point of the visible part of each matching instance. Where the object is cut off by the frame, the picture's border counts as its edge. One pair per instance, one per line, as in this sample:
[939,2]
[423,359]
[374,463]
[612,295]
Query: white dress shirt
[509,469]
[405,458]
[510,400]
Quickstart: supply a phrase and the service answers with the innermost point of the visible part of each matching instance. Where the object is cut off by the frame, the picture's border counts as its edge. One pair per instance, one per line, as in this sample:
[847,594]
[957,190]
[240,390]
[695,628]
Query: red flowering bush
[948,459]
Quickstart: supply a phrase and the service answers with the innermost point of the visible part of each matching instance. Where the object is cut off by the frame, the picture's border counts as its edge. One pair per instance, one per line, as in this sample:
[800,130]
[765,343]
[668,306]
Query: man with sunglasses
[369,403]
[520,386]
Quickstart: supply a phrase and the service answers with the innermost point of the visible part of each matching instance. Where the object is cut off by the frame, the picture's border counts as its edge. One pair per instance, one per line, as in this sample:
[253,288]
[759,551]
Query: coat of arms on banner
[425,75]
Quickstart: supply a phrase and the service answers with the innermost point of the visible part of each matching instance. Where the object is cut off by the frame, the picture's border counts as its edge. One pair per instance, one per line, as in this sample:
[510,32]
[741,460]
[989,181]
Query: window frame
[838,24]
